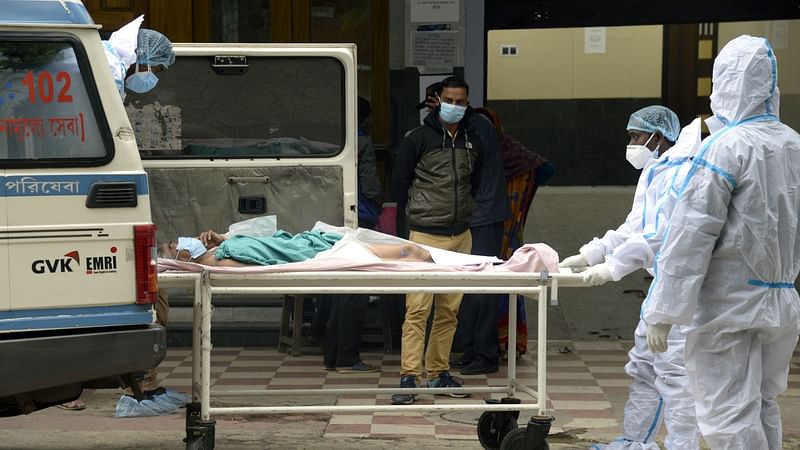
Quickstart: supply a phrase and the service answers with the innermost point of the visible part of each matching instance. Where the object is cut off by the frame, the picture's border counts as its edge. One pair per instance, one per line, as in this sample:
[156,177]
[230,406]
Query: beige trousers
[418,308]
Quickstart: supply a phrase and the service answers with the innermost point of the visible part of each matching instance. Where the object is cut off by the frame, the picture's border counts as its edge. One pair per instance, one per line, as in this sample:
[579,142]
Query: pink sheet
[528,258]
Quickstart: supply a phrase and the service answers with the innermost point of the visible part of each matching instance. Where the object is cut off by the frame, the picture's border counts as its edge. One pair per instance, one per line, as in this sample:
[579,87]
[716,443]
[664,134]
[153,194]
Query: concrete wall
[553,64]
[571,106]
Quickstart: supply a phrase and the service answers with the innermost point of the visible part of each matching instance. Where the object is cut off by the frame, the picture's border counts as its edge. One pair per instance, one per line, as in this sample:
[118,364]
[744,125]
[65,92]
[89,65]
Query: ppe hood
[745,80]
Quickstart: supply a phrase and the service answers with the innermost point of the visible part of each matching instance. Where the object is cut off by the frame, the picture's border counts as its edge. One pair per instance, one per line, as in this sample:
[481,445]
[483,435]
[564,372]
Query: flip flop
[75,405]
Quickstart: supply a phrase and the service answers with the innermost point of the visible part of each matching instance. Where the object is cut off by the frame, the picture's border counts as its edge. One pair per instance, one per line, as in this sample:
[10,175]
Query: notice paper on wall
[594,40]
[435,49]
[434,10]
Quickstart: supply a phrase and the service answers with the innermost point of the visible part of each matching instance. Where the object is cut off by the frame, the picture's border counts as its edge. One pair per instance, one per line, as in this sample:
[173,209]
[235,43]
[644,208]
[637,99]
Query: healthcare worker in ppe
[652,130]
[644,409]
[731,254]
[660,385]
[136,55]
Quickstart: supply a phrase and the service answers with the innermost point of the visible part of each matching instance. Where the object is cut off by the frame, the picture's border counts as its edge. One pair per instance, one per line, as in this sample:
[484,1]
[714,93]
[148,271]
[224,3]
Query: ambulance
[78,277]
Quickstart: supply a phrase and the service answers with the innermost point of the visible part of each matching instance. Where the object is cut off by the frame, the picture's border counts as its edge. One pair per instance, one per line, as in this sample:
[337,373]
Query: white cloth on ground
[167,402]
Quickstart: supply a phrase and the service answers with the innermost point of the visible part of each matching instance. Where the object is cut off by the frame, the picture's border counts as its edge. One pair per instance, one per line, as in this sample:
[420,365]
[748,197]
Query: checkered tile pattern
[587,388]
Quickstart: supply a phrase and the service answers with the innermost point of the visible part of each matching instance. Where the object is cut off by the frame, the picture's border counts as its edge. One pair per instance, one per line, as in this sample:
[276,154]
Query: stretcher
[497,427]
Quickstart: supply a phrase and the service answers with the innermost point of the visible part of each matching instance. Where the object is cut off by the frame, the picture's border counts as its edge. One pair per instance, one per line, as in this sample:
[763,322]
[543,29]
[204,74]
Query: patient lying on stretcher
[214,249]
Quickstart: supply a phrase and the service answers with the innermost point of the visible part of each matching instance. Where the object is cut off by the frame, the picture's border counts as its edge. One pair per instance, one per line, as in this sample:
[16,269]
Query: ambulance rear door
[238,131]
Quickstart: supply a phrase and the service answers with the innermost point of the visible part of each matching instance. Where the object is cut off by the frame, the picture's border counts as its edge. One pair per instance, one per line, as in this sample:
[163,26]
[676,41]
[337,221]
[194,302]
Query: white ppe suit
[731,254]
[120,51]
[659,387]
[596,250]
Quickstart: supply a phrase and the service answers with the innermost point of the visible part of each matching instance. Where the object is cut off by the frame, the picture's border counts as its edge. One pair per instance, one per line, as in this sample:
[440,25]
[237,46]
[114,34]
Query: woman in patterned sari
[525,171]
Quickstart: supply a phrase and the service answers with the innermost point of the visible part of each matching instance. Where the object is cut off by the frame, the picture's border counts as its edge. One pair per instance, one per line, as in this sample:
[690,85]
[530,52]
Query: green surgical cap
[656,119]
[154,48]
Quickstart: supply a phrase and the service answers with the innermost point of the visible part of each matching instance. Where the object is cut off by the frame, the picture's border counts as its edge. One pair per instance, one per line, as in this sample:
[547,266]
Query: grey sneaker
[445,380]
[408,381]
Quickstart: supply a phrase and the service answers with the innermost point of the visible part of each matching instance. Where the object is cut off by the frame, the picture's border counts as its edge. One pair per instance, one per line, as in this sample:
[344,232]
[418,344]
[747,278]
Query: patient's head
[184,249]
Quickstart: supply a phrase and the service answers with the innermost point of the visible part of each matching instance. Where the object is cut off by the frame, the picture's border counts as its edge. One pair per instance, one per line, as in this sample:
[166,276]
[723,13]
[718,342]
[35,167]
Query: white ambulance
[77,244]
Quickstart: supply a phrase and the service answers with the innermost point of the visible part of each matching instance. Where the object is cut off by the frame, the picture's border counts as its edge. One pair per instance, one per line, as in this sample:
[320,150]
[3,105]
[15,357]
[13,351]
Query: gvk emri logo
[72,260]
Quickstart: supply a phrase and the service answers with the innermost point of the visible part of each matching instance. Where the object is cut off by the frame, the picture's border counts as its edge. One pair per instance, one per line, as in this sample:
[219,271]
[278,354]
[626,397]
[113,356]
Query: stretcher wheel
[518,440]
[493,427]
[199,434]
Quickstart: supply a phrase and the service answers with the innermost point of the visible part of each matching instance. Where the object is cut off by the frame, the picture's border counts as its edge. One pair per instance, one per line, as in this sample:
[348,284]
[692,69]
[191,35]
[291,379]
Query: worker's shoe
[408,382]
[445,380]
[479,366]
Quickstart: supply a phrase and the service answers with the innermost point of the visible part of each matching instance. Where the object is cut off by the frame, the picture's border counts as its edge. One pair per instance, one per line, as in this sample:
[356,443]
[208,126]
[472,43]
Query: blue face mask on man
[450,113]
[141,82]
[194,246]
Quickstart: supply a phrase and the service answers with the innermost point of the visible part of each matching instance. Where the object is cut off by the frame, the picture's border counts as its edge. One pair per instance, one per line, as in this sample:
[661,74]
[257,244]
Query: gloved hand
[657,337]
[597,275]
[577,261]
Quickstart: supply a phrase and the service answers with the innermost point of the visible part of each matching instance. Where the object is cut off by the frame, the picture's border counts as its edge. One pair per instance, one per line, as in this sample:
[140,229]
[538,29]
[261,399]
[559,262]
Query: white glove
[597,275]
[657,337]
[574,261]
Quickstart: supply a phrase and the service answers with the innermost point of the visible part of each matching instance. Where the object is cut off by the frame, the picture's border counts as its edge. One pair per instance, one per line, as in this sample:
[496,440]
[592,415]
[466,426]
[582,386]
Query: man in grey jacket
[435,178]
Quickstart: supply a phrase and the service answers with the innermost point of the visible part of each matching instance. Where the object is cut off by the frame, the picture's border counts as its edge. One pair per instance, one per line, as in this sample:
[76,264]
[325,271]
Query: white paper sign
[594,40]
[434,48]
[434,10]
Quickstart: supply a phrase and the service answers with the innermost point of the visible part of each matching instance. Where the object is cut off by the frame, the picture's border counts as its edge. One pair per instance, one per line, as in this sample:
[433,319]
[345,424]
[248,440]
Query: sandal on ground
[75,405]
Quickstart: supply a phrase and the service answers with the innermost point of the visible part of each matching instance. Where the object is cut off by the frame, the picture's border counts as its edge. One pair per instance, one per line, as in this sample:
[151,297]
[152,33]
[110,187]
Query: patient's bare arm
[400,252]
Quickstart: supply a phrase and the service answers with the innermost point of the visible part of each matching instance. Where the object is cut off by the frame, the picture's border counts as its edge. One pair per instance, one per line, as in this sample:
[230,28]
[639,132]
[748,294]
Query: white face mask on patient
[194,246]
[638,155]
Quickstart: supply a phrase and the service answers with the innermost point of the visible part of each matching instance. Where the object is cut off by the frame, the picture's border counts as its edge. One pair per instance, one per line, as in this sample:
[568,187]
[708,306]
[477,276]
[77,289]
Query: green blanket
[280,248]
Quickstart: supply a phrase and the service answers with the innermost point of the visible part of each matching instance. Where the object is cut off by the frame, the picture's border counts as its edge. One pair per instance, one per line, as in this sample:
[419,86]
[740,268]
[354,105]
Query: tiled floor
[587,387]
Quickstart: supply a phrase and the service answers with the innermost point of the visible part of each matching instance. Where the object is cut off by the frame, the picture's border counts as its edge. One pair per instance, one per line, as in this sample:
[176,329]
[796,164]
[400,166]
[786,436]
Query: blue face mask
[450,113]
[141,82]
[194,246]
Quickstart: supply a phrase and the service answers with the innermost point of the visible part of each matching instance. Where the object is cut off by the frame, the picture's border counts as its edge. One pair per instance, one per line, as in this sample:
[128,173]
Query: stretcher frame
[206,284]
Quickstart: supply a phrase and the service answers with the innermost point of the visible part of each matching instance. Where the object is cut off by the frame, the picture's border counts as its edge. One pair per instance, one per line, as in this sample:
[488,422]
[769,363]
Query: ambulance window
[242,107]
[47,113]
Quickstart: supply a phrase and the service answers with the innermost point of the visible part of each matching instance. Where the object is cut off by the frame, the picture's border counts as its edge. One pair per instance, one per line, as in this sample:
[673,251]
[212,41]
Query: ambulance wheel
[493,427]
[517,440]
